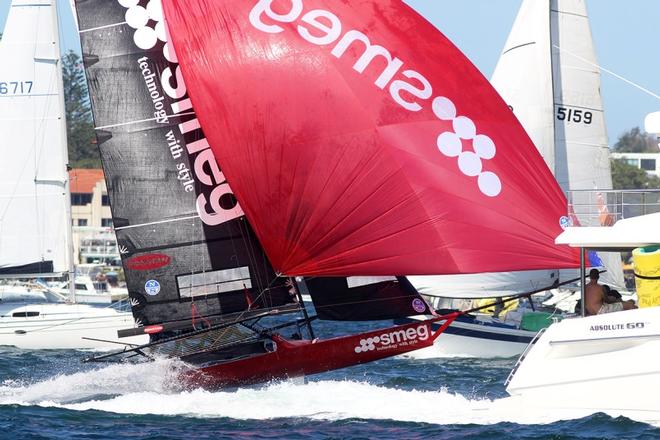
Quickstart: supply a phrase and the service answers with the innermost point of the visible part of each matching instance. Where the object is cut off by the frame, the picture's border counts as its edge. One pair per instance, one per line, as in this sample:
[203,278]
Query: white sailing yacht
[35,222]
[546,75]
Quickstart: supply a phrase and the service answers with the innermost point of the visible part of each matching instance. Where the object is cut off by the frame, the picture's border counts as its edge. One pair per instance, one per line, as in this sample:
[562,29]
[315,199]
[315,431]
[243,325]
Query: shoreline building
[649,162]
[93,237]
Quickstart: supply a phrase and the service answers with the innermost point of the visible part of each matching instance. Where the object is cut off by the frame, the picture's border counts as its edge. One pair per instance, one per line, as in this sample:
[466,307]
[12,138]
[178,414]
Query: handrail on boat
[590,206]
[523,355]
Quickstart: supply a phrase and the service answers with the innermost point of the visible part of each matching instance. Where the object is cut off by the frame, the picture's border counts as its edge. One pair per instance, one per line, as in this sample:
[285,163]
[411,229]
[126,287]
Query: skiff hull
[291,359]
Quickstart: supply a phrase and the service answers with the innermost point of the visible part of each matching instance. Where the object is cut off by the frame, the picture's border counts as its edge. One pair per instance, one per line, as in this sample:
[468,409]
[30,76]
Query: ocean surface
[51,394]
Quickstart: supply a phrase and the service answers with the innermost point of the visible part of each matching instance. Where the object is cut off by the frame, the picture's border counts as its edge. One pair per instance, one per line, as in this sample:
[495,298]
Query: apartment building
[649,162]
[93,237]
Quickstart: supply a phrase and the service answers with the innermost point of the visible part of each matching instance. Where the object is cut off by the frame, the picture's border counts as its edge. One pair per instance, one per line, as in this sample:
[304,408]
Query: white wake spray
[152,388]
[116,379]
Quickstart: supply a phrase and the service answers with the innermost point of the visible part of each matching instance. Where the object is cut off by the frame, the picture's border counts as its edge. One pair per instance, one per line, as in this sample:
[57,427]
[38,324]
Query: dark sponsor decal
[148,262]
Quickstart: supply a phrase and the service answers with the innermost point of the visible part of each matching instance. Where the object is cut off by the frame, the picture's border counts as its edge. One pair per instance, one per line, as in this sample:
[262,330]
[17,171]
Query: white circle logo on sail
[450,143]
[152,287]
[146,37]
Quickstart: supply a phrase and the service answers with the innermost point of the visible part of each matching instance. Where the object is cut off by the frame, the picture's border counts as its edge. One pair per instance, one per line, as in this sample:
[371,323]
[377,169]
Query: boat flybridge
[611,362]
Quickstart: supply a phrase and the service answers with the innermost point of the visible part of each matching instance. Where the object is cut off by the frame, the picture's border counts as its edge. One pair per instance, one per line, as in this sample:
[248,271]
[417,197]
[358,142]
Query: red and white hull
[291,359]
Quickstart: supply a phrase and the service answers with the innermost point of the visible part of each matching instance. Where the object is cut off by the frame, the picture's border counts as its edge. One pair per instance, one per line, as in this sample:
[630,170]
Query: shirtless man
[596,302]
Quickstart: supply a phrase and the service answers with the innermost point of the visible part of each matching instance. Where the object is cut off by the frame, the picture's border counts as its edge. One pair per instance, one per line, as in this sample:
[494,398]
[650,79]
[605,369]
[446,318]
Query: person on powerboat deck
[597,301]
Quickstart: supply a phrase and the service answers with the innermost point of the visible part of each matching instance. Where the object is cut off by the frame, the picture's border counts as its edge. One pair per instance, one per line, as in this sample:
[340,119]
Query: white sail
[581,145]
[547,74]
[523,75]
[484,285]
[34,197]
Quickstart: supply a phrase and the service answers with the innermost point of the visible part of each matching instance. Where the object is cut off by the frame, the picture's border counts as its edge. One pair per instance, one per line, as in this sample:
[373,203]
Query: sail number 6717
[15,87]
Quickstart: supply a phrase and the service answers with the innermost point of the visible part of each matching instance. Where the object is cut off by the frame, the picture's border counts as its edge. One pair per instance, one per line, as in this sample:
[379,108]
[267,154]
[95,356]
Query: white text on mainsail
[156,97]
[183,173]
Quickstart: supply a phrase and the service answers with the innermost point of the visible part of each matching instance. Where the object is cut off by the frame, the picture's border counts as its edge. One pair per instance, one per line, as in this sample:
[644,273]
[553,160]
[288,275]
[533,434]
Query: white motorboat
[35,215]
[606,362]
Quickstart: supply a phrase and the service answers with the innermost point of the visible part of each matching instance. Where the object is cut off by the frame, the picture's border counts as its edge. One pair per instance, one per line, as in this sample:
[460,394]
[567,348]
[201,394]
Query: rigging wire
[603,69]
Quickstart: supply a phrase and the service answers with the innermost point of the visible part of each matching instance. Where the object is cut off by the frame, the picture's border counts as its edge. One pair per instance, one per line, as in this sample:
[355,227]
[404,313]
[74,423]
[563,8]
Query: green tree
[636,141]
[626,176]
[83,152]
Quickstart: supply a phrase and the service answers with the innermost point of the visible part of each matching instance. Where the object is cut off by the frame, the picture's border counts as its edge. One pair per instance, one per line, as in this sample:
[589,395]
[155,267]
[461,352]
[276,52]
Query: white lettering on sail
[263,7]
[205,170]
[410,90]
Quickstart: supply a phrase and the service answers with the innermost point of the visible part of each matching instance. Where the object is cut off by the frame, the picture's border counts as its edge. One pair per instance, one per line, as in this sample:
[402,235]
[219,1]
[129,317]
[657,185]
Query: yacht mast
[68,231]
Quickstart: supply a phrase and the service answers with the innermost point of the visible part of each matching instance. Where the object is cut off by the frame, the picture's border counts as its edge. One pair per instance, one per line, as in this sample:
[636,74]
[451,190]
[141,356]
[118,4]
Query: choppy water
[51,394]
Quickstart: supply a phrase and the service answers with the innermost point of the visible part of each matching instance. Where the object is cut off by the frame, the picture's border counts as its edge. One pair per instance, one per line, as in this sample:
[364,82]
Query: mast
[555,80]
[68,231]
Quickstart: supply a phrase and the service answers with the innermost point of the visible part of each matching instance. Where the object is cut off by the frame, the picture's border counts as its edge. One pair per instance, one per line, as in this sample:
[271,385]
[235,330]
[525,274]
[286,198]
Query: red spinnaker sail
[360,141]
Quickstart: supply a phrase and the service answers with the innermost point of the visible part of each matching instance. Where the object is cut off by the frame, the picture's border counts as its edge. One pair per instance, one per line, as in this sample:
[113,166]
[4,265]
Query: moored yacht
[63,326]
[35,215]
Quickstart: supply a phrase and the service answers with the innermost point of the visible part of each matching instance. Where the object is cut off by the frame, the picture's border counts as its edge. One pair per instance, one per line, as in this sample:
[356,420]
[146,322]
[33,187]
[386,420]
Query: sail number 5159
[574,115]
[15,87]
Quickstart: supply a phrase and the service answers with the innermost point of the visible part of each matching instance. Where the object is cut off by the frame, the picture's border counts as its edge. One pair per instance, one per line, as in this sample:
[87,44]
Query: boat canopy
[625,234]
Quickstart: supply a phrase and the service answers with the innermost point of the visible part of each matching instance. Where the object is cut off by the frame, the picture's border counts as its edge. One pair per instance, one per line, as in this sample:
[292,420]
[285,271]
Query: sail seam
[594,109]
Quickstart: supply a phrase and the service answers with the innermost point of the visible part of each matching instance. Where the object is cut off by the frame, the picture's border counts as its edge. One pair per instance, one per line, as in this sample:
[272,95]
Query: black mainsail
[189,255]
[365,298]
